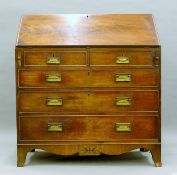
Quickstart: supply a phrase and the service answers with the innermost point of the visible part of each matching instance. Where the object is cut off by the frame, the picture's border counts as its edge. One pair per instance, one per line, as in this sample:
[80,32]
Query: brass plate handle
[123,78]
[54,101]
[53,78]
[52,127]
[122,60]
[123,101]
[53,60]
[123,127]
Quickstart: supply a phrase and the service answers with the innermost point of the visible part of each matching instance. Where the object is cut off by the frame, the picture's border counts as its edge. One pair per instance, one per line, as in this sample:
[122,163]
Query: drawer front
[125,78]
[91,102]
[56,79]
[68,58]
[96,78]
[113,57]
[101,128]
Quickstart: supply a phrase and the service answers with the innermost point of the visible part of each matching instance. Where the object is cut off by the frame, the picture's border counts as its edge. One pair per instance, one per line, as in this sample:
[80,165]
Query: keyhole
[88,95]
[88,73]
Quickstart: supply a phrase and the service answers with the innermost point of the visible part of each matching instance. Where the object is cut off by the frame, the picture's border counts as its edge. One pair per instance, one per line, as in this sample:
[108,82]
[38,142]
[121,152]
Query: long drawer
[92,78]
[89,101]
[101,128]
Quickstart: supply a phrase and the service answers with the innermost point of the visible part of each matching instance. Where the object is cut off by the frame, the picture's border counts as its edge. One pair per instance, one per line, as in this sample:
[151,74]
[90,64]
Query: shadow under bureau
[88,85]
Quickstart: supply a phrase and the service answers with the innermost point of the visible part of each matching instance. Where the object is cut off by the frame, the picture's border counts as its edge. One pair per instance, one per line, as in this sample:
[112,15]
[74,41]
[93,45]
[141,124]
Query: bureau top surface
[87,30]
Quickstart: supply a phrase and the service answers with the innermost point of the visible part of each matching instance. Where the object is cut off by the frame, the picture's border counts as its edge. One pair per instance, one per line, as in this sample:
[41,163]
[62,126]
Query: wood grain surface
[87,30]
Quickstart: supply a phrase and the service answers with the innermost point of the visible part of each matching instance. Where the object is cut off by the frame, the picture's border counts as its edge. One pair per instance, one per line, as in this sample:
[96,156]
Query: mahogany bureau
[88,85]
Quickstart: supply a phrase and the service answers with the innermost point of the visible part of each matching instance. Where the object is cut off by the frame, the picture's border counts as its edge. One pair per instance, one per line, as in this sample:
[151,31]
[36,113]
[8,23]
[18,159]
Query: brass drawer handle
[123,78]
[53,60]
[122,60]
[123,127]
[54,101]
[123,101]
[53,78]
[53,127]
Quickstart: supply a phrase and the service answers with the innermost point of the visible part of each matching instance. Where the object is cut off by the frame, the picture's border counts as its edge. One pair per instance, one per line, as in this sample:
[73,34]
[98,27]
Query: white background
[165,13]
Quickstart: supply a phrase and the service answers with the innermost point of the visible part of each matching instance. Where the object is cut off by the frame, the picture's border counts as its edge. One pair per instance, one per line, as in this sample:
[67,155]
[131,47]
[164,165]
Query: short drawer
[89,102]
[118,57]
[101,128]
[62,58]
[94,78]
